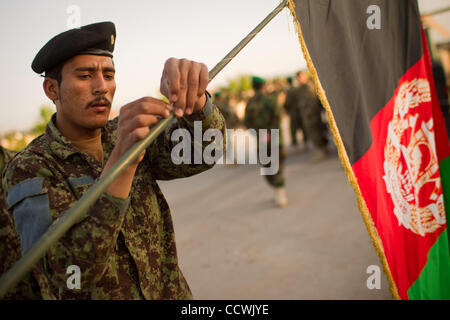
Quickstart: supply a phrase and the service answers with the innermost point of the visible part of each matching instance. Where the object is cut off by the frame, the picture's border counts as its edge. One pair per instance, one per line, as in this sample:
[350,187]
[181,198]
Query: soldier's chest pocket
[80,185]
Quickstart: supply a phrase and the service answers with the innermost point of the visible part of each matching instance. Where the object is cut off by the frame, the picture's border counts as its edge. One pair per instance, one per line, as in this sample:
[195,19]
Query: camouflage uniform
[293,109]
[10,248]
[125,248]
[310,109]
[231,119]
[263,112]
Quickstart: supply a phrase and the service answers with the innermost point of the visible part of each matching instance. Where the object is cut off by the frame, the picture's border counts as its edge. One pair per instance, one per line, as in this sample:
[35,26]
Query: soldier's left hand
[184,83]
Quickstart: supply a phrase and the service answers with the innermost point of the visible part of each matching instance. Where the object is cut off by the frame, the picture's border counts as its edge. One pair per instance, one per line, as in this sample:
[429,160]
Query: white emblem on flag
[411,169]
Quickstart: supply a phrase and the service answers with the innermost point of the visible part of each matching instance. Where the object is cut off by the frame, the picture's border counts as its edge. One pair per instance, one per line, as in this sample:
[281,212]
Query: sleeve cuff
[202,114]
[120,203]
[208,108]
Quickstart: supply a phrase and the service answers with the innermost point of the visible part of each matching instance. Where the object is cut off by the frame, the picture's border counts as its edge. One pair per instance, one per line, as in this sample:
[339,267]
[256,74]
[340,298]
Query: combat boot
[281,197]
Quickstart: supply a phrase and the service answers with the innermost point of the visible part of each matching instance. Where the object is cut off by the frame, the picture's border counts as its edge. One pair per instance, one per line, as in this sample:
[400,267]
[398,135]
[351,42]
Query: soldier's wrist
[206,103]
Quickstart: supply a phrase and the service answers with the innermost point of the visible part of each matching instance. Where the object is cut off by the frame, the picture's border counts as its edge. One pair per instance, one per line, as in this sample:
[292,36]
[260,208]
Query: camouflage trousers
[315,128]
[277,180]
[296,123]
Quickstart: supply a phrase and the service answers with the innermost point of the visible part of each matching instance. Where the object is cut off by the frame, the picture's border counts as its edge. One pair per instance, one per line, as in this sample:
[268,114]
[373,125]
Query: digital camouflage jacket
[262,112]
[125,249]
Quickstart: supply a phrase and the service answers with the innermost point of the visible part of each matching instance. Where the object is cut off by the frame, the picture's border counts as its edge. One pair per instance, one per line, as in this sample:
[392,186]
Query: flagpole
[76,212]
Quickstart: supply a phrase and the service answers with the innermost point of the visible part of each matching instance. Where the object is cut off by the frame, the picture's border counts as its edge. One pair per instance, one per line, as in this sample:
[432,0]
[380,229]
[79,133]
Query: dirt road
[234,243]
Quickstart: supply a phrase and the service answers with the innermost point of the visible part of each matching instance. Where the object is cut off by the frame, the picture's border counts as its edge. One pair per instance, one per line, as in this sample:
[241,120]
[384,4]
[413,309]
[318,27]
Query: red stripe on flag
[399,175]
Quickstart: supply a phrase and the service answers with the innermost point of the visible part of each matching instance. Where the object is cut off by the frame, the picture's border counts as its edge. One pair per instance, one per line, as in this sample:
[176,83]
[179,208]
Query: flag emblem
[411,167]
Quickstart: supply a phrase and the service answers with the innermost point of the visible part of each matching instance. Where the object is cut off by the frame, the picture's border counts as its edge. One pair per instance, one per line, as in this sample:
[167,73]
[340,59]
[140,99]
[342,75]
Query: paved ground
[234,243]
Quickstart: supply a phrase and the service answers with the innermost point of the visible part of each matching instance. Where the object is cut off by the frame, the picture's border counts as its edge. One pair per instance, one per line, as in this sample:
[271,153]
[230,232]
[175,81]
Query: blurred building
[436,21]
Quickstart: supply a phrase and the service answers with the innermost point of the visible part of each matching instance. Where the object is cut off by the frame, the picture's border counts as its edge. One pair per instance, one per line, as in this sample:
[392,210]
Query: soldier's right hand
[134,121]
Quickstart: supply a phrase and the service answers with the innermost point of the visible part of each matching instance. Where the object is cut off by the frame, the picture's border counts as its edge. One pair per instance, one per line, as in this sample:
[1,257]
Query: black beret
[97,39]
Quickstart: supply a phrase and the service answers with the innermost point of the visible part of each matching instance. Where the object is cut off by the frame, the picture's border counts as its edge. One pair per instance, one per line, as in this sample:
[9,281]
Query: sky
[148,33]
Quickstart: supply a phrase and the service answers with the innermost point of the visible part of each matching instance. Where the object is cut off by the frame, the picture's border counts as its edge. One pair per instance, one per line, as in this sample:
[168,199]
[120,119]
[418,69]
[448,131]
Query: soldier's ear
[51,89]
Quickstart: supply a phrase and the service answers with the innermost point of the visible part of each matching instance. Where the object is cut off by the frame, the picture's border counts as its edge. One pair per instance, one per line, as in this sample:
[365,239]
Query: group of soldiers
[264,110]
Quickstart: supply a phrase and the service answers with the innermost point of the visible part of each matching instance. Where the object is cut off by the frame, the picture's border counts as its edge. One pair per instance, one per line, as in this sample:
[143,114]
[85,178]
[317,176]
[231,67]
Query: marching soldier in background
[263,112]
[292,108]
[310,109]
[10,248]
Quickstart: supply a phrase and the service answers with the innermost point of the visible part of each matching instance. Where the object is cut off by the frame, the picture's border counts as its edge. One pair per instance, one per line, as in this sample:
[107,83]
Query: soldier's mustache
[99,101]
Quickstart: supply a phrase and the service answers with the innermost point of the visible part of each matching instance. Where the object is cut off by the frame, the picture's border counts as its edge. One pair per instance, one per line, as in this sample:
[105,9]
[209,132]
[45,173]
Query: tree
[45,113]
[239,85]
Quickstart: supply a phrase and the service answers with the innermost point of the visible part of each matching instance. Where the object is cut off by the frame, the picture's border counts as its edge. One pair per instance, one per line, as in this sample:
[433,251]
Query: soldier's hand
[184,83]
[134,121]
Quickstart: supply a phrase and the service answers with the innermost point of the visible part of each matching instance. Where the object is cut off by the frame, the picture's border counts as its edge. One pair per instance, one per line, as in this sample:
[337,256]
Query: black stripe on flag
[359,68]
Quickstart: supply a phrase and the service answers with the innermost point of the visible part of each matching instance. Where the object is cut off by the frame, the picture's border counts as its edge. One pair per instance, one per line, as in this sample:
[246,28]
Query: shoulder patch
[32,218]
[208,108]
[31,210]
[26,188]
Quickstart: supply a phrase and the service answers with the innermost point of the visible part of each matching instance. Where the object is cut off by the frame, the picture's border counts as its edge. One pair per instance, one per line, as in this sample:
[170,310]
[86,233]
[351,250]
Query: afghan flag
[372,70]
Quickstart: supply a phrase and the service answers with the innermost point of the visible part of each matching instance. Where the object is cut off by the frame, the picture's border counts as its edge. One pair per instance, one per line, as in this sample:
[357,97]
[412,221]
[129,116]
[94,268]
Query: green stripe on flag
[444,167]
[434,280]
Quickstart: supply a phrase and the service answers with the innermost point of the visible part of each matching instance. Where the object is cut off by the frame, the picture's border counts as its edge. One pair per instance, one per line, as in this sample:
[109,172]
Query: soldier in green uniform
[10,248]
[310,109]
[292,107]
[263,112]
[124,246]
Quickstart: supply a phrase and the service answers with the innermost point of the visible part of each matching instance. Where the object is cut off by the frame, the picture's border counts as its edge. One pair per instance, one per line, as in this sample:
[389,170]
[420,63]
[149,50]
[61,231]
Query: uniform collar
[59,144]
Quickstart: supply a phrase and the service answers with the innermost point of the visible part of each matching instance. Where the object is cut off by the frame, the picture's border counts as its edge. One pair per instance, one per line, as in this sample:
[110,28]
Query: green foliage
[16,141]
[239,85]
[45,113]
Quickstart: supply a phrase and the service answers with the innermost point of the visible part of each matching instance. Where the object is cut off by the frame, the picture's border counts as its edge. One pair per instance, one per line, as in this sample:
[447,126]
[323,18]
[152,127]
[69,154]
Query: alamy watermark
[74,18]
[240,145]
[374,20]
[74,280]
[374,280]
